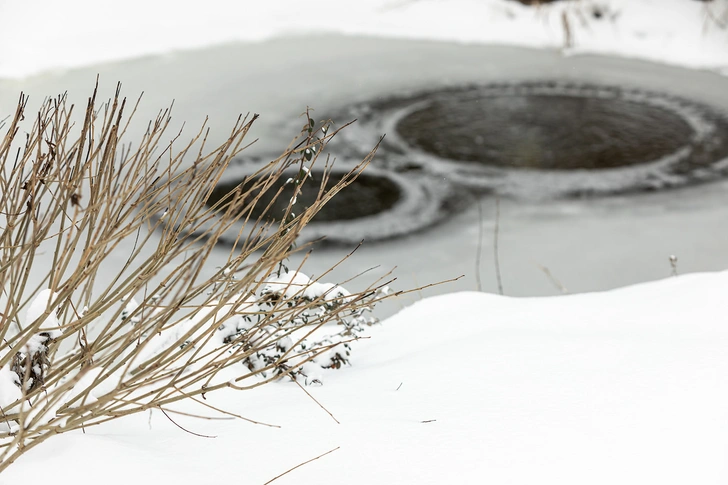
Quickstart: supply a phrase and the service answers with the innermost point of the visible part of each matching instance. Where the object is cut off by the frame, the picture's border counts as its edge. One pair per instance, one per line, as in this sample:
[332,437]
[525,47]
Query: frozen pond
[547,139]
[586,244]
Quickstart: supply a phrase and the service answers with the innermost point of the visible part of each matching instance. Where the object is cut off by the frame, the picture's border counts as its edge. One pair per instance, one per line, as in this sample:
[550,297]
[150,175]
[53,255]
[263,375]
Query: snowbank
[77,33]
[627,386]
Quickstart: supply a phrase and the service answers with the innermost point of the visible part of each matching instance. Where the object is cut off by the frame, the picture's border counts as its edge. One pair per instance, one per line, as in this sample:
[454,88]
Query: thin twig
[200,416]
[420,288]
[227,412]
[495,245]
[314,400]
[183,429]
[5,417]
[565,24]
[554,281]
[300,465]
[479,284]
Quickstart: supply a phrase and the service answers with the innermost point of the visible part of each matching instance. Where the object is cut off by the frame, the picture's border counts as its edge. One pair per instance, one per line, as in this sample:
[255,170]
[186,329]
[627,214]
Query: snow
[9,390]
[48,328]
[625,386]
[38,307]
[68,34]
[296,284]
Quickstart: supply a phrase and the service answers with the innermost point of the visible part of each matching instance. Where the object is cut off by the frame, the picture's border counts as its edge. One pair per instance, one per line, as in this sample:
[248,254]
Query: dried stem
[300,465]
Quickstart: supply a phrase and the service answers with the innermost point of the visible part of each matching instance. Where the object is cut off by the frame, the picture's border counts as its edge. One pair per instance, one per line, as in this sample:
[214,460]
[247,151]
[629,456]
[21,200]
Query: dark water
[554,132]
[367,195]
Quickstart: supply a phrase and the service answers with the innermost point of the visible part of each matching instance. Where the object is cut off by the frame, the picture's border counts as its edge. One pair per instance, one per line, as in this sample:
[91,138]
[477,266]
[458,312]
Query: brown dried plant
[72,197]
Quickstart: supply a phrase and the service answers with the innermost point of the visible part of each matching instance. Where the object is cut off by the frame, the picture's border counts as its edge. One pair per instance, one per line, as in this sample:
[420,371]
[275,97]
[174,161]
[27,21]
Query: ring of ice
[702,153]
[422,201]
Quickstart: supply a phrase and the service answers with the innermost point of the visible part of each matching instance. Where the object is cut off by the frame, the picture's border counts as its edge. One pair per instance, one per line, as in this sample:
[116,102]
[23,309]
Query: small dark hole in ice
[366,196]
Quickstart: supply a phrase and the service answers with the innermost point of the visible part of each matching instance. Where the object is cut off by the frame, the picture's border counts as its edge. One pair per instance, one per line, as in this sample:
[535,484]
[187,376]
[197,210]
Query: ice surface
[587,245]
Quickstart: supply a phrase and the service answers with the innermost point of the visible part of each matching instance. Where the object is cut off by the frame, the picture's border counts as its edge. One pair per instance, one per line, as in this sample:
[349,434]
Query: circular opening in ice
[544,131]
[366,196]
[545,139]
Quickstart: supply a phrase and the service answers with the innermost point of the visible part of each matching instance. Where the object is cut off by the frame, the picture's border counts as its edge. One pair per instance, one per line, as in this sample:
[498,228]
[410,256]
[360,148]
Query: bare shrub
[89,337]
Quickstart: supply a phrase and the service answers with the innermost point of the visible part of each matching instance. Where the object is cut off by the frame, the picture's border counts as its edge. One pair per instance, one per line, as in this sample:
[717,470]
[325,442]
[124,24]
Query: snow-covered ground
[46,34]
[624,386]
